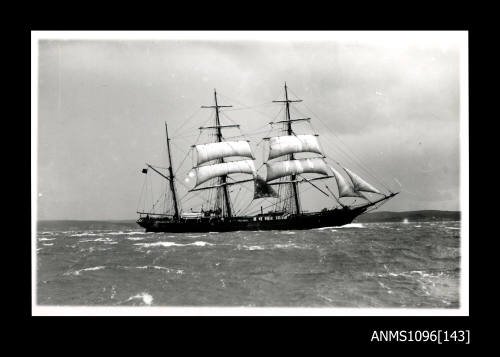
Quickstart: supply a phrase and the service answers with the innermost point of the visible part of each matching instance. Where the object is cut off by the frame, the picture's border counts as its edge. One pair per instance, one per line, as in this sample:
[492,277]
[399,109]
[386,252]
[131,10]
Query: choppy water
[358,265]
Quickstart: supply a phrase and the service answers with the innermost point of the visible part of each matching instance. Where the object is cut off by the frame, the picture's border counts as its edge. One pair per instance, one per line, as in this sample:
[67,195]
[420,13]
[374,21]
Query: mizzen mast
[171,176]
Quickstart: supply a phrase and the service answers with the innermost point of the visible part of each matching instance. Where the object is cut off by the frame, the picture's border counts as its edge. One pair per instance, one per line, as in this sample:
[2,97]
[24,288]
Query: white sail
[205,173]
[212,151]
[346,189]
[360,184]
[291,144]
[292,167]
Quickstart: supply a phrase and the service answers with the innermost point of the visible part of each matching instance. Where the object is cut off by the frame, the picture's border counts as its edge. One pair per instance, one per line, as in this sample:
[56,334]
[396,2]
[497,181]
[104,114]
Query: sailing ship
[217,162]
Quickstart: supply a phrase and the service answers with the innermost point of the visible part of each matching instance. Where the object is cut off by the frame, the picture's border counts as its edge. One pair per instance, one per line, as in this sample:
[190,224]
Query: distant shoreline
[382,216]
[411,216]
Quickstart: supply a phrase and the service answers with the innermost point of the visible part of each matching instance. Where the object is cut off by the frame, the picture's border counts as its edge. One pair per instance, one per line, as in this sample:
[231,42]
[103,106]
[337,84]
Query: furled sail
[292,167]
[205,173]
[212,151]
[360,184]
[346,189]
[291,144]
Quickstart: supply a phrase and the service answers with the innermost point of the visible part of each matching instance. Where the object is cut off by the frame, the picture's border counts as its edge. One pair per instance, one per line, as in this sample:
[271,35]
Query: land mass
[411,216]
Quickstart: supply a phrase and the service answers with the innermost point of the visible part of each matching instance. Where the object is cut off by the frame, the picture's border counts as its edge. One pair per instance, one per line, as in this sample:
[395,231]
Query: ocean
[391,265]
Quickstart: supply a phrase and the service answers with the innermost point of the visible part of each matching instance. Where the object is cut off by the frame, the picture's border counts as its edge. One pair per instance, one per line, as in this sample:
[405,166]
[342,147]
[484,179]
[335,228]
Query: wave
[385,287]
[407,274]
[334,228]
[324,228]
[275,246]
[159,244]
[352,225]
[173,244]
[251,247]
[290,245]
[48,244]
[43,239]
[145,297]
[106,240]
[452,227]
[77,272]
[201,243]
[170,270]
[83,234]
[46,233]
[135,238]
[325,298]
[105,232]
[125,233]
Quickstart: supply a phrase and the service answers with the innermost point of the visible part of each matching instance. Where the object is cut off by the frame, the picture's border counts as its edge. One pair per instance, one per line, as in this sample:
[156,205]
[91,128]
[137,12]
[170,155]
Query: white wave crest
[173,244]
[77,272]
[407,274]
[145,297]
[84,234]
[170,270]
[289,245]
[352,225]
[324,228]
[200,243]
[135,238]
[251,247]
[106,240]
[158,244]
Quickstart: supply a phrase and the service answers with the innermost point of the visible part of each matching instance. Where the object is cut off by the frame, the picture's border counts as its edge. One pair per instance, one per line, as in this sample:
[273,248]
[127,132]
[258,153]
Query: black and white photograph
[250,173]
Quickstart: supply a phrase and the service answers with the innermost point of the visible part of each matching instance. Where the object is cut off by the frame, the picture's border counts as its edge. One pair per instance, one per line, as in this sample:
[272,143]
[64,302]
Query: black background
[326,336]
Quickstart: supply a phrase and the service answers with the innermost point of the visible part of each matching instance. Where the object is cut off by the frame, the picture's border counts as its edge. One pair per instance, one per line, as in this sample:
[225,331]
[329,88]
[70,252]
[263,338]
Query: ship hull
[328,218]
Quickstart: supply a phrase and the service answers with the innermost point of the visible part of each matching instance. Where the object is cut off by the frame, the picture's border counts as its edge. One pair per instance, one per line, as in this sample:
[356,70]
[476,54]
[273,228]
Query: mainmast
[223,178]
[171,176]
[291,156]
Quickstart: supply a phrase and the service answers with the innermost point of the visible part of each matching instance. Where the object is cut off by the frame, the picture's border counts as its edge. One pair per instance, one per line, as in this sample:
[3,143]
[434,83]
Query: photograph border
[376,37]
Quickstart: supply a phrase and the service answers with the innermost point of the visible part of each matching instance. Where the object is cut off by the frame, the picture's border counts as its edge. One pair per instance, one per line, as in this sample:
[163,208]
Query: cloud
[102,105]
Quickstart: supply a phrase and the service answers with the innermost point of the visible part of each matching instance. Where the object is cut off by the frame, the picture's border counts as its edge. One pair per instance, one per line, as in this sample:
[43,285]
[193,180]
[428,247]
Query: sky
[388,111]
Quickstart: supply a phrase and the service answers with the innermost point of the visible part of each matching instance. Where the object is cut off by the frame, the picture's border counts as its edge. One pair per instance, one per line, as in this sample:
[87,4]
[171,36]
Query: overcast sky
[102,105]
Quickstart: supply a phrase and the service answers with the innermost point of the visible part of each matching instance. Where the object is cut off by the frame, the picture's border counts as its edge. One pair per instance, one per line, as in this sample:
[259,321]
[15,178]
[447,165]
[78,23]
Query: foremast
[223,178]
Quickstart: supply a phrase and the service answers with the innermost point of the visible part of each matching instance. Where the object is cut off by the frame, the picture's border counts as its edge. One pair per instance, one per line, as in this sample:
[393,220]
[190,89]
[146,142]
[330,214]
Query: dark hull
[329,218]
